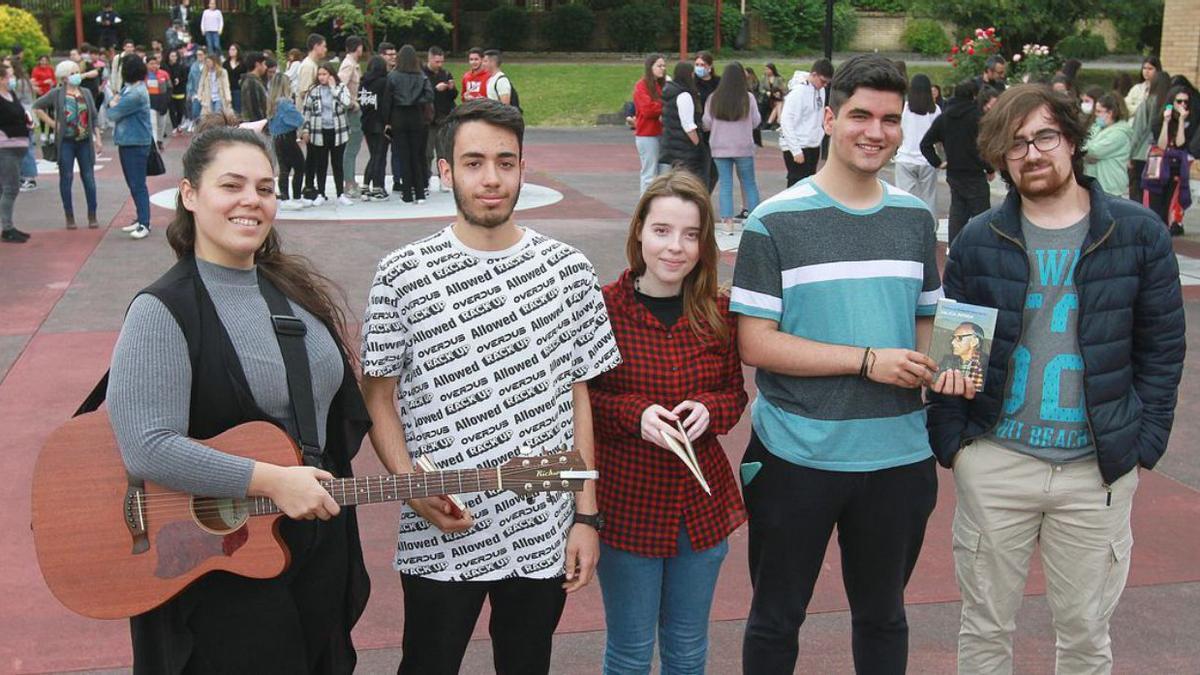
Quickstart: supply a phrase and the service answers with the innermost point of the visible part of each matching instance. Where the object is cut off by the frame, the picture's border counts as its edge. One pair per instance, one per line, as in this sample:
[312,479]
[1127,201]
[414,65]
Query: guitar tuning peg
[525,451]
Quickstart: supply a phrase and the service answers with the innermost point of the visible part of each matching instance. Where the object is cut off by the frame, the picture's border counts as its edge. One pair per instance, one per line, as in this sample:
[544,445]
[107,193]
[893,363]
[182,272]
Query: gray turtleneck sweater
[149,388]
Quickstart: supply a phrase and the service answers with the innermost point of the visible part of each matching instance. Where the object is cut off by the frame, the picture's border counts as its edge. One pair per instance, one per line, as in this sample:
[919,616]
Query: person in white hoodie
[801,125]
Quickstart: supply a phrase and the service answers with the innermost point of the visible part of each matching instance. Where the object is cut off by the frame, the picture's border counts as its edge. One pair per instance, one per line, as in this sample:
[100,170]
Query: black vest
[676,148]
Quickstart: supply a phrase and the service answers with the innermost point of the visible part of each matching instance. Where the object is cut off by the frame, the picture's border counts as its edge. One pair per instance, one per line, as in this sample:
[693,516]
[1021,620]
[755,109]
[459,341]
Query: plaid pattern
[312,116]
[645,491]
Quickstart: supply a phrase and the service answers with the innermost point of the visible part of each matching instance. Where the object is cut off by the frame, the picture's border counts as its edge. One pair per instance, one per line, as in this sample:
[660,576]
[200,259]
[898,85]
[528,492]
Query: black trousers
[969,197]
[797,172]
[1136,168]
[439,617]
[376,171]
[178,106]
[880,518]
[291,161]
[317,166]
[408,149]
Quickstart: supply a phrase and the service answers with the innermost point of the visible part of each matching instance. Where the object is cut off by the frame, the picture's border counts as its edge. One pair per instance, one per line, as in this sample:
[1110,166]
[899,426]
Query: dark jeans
[133,166]
[1136,168]
[83,152]
[291,161]
[178,109]
[10,183]
[798,172]
[376,172]
[408,144]
[880,518]
[439,617]
[319,158]
[969,197]
[235,96]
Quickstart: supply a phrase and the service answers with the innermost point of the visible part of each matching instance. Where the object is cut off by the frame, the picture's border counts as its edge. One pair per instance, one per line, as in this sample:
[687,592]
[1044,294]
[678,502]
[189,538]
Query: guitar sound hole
[219,516]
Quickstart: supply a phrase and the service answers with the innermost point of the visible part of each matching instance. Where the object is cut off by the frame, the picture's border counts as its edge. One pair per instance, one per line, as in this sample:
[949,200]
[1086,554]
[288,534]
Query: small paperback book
[962,338]
[686,454]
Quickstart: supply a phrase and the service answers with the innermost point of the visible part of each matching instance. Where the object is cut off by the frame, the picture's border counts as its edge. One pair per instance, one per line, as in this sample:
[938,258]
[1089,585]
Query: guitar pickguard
[182,546]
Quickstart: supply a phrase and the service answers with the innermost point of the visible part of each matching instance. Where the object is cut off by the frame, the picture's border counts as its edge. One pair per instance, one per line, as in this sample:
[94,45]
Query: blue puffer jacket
[1130,321]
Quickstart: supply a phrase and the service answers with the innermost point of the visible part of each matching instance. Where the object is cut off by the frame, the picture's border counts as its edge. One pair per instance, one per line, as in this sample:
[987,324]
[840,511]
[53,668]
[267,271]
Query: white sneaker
[318,200]
[291,204]
[141,232]
[345,200]
[131,227]
[420,201]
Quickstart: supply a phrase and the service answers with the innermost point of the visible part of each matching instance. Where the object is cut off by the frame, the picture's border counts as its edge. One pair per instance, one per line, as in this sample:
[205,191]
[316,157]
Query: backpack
[514,100]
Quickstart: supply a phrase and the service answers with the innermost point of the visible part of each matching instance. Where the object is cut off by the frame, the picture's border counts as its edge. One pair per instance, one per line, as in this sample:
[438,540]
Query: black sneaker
[1176,230]
[14,236]
[743,215]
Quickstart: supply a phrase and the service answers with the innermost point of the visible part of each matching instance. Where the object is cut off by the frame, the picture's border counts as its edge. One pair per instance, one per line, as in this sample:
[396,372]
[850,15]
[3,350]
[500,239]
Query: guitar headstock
[563,471]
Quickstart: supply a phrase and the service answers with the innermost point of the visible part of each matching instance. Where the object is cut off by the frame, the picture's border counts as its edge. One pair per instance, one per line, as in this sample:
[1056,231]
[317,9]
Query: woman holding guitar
[665,532]
[210,346]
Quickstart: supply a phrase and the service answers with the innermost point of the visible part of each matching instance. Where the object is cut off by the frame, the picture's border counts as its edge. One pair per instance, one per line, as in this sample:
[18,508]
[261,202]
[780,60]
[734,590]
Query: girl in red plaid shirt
[664,537]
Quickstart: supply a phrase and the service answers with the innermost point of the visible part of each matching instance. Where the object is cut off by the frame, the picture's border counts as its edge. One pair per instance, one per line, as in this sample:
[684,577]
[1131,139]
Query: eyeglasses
[1045,142]
[960,338]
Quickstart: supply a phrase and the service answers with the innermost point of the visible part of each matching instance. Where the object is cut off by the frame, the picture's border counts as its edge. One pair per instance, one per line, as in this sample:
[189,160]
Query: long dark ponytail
[294,275]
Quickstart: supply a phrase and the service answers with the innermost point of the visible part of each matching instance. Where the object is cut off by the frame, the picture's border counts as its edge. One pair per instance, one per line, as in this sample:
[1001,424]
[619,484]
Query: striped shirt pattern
[837,275]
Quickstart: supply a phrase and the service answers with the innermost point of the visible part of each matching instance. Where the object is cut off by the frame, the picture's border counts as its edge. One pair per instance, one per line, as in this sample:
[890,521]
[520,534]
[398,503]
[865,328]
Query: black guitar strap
[290,332]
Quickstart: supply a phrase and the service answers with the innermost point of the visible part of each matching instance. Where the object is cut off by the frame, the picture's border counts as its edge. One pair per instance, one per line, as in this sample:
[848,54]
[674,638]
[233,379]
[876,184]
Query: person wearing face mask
[1087,105]
[1107,151]
[705,77]
[14,143]
[73,122]
[661,551]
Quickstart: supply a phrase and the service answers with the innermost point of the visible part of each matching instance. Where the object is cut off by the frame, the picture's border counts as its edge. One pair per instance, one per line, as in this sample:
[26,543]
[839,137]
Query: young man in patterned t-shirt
[837,283]
[488,333]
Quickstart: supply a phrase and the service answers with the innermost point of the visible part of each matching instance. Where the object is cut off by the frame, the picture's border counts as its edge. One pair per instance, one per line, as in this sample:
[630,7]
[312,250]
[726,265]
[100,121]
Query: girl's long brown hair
[654,85]
[294,275]
[700,286]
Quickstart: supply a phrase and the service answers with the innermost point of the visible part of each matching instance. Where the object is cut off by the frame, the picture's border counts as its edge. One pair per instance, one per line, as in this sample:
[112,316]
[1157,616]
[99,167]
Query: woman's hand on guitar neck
[441,513]
[295,490]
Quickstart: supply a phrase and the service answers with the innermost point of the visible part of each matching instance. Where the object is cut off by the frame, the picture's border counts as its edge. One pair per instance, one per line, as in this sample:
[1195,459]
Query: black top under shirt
[12,117]
[666,310]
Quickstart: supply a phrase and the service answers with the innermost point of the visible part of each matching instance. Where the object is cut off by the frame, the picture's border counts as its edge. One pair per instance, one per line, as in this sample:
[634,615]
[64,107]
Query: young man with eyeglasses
[836,283]
[1081,386]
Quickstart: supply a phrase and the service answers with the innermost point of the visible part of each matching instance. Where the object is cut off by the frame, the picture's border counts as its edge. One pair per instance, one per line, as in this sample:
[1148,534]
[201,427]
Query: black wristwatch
[593,520]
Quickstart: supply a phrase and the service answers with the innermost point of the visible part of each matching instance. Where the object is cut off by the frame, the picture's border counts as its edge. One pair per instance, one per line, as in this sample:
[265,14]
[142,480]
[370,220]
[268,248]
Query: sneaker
[14,236]
[28,185]
[421,200]
[1176,230]
[354,192]
[365,195]
[318,200]
[291,204]
[379,195]
[131,227]
[743,215]
[306,204]
[345,200]
[141,232]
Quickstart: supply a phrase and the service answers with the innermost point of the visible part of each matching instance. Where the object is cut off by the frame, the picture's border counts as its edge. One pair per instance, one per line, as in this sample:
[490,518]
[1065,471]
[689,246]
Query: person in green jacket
[1107,152]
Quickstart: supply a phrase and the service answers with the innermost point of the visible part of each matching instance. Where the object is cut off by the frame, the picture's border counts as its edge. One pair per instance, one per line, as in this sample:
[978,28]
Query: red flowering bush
[969,56]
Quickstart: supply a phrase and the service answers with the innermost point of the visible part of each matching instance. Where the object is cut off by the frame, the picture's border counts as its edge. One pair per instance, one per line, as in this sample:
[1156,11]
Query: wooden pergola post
[454,31]
[683,50]
[78,23]
[717,39]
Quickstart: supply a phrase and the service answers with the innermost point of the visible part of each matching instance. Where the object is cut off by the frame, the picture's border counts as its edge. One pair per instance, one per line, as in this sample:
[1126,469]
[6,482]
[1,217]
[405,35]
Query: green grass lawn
[575,94]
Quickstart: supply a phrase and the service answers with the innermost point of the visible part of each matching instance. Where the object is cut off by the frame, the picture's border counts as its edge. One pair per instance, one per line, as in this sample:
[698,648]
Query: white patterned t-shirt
[487,346]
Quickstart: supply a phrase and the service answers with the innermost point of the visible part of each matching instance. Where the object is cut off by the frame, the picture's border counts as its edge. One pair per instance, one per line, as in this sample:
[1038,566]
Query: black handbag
[154,163]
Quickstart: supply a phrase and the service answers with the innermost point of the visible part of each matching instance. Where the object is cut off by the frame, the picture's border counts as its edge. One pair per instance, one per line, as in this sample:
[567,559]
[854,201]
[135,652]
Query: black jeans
[376,171]
[319,158]
[969,197]
[177,109]
[798,172]
[291,161]
[408,150]
[880,518]
[1136,168]
[439,617]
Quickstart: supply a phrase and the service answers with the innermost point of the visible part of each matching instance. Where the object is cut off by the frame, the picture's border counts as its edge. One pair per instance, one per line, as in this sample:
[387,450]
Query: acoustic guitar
[110,550]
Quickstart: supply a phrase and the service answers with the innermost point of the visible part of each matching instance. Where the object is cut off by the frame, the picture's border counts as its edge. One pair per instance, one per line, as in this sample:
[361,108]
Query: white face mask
[1087,106]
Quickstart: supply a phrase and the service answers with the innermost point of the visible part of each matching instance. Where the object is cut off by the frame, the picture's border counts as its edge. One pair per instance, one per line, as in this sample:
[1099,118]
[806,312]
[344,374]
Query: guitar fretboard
[376,489]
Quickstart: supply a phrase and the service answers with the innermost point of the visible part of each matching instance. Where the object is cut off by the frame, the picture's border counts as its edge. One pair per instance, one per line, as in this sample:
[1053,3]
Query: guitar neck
[391,488]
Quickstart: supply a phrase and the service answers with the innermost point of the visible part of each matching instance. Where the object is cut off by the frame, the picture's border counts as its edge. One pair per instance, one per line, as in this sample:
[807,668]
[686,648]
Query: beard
[1046,185]
[480,217]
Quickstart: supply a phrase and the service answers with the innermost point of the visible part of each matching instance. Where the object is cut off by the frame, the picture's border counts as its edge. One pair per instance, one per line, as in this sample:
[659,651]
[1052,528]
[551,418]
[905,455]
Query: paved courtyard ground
[63,294]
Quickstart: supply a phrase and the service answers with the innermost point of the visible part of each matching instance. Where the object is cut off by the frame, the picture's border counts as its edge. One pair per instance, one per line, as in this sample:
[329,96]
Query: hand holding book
[665,429]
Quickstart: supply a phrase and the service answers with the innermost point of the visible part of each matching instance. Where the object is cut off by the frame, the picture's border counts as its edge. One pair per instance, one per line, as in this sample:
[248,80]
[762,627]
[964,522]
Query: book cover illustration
[962,338]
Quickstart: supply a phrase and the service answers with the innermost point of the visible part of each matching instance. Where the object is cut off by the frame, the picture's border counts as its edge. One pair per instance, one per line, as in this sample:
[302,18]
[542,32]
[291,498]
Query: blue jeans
[29,162]
[745,174]
[235,99]
[673,595]
[213,40]
[133,166]
[84,153]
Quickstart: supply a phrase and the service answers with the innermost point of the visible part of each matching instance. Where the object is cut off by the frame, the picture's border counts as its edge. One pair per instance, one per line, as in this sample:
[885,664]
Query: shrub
[601,5]
[702,21]
[796,25]
[18,26]
[845,23]
[925,36]
[507,28]
[889,6]
[569,28]
[479,5]
[637,27]
[1082,46]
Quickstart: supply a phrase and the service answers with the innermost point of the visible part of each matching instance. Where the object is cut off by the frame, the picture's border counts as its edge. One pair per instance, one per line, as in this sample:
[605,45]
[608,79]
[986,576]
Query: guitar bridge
[135,518]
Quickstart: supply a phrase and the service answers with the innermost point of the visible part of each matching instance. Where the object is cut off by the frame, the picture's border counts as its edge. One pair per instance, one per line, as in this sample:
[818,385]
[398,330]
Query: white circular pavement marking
[438,204]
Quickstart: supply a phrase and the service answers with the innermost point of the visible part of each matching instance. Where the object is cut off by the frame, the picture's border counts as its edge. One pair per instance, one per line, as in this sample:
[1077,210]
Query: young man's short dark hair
[479,110]
[128,43]
[495,55]
[253,59]
[870,71]
[353,43]
[997,127]
[86,47]
[314,39]
[133,68]
[966,90]
[436,51]
[386,47]
[993,61]
[477,51]
[271,63]
[823,68]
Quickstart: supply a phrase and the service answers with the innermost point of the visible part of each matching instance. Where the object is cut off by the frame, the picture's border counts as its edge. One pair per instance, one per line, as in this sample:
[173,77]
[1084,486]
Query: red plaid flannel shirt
[644,491]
